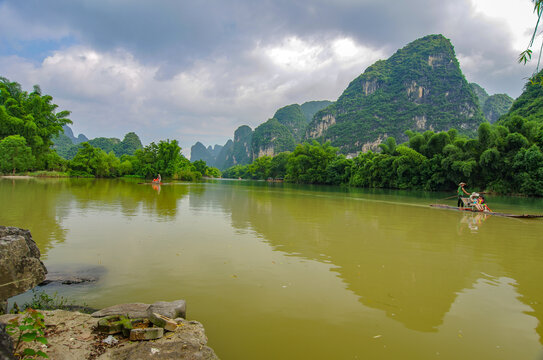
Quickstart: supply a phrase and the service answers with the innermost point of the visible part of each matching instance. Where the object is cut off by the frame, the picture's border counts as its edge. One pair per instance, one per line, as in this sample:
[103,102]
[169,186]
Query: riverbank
[73,335]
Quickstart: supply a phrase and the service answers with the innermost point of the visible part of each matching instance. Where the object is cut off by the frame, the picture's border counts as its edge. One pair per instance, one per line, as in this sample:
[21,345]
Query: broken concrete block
[163,321]
[111,324]
[146,334]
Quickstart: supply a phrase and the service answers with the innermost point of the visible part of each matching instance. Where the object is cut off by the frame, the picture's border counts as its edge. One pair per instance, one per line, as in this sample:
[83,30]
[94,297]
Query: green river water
[277,271]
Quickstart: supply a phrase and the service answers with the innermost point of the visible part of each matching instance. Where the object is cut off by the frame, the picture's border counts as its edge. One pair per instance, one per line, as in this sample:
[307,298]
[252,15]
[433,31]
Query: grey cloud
[214,42]
[175,34]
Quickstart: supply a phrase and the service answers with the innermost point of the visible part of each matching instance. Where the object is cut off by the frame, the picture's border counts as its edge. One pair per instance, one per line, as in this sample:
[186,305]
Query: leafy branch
[526,55]
[31,328]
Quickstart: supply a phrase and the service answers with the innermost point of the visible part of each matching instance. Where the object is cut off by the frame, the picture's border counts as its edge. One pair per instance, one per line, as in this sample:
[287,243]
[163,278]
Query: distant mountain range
[280,133]
[420,87]
[67,144]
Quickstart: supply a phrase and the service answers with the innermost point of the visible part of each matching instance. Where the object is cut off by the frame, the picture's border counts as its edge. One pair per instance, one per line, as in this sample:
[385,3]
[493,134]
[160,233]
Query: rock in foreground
[20,265]
[71,335]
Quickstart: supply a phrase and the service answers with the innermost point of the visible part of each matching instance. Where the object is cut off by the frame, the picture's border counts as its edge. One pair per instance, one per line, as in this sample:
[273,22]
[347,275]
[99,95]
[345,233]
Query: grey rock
[173,309]
[20,265]
[133,310]
[6,344]
[72,274]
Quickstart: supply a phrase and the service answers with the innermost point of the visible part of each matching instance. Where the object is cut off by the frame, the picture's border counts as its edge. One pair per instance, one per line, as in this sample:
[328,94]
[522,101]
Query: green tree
[14,154]
[32,116]
[91,161]
[308,163]
[260,168]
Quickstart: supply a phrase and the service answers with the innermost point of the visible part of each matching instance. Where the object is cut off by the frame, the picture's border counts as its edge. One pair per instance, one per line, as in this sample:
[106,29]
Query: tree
[164,158]
[94,161]
[526,55]
[32,116]
[14,154]
[308,163]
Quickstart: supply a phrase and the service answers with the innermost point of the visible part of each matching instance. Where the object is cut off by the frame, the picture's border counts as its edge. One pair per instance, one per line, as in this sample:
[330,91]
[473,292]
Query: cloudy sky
[196,70]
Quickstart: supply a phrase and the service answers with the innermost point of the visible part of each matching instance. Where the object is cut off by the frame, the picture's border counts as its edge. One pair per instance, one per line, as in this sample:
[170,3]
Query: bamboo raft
[523,216]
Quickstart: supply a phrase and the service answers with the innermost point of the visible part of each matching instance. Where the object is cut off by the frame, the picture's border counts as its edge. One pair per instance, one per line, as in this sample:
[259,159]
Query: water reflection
[471,222]
[42,205]
[401,259]
[33,204]
[275,255]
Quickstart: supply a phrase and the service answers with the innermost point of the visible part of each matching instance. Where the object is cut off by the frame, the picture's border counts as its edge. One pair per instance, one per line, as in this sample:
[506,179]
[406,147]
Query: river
[278,271]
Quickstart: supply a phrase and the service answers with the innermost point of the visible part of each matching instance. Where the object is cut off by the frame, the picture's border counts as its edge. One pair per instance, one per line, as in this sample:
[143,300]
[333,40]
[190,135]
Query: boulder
[73,274]
[20,265]
[173,309]
[132,310]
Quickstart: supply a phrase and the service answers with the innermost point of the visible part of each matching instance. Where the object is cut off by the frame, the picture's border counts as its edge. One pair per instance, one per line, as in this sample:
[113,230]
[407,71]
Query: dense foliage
[419,87]
[293,118]
[504,158]
[164,158]
[310,108]
[33,117]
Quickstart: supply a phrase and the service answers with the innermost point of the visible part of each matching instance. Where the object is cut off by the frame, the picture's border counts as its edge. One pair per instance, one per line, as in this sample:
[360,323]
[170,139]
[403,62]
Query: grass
[44,173]
[43,301]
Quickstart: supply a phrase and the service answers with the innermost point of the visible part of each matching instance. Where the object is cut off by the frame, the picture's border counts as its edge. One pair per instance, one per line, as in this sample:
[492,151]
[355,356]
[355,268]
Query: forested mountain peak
[293,118]
[199,152]
[529,104]
[492,106]
[67,144]
[420,87]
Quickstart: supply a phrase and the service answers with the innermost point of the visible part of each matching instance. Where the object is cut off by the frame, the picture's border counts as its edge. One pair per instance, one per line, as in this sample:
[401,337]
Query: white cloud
[111,93]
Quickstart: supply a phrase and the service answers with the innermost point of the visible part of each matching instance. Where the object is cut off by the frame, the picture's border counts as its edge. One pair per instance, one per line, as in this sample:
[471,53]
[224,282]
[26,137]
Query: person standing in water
[461,192]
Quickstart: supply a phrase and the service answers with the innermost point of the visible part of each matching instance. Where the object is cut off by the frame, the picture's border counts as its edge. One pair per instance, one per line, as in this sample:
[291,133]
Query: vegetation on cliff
[504,157]
[271,138]
[293,118]
[280,133]
[420,87]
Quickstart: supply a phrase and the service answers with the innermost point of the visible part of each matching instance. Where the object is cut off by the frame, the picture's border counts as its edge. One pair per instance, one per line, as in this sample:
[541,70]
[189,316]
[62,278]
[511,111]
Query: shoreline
[54,175]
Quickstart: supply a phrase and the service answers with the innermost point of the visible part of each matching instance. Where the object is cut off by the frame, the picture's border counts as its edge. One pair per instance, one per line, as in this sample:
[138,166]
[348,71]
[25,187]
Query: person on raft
[461,192]
[158,179]
[481,204]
